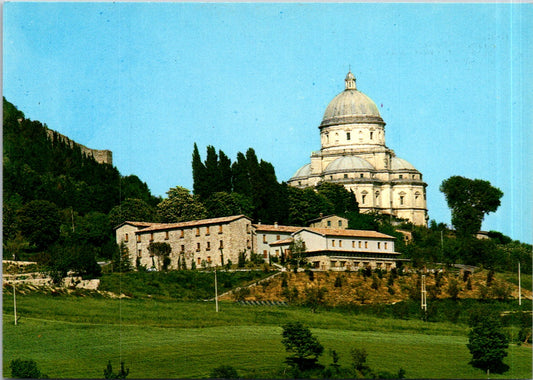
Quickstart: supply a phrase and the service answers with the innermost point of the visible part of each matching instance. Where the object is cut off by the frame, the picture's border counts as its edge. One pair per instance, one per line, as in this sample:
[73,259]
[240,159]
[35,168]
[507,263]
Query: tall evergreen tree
[224,170]
[198,173]
[212,174]
[240,177]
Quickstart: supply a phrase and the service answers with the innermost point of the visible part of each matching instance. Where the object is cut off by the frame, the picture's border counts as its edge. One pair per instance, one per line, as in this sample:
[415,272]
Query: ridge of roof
[272,227]
[354,233]
[191,223]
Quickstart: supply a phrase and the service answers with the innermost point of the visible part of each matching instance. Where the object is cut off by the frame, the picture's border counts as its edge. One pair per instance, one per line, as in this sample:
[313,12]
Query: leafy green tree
[39,222]
[180,206]
[297,251]
[469,201]
[131,210]
[359,356]
[161,251]
[131,187]
[343,200]
[305,347]
[487,343]
[221,204]
[25,369]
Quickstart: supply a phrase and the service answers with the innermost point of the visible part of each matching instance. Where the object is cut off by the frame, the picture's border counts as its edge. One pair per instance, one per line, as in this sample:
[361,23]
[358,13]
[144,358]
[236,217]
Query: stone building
[353,153]
[329,221]
[212,242]
[328,248]
[205,242]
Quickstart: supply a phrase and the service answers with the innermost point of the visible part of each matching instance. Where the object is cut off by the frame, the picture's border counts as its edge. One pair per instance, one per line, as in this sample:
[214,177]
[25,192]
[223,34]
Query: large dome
[351,106]
[348,164]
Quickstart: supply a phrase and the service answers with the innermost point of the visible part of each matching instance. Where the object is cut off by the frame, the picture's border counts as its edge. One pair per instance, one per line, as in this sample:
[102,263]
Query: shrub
[25,369]
[224,372]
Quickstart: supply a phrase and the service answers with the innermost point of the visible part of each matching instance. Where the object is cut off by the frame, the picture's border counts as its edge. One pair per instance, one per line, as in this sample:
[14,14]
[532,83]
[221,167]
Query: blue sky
[147,80]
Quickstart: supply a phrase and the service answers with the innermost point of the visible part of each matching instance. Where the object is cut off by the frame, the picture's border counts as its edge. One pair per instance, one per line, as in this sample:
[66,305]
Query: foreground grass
[75,337]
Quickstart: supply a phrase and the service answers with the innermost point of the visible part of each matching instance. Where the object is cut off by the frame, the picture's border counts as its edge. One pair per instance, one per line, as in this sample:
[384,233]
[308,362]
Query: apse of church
[353,153]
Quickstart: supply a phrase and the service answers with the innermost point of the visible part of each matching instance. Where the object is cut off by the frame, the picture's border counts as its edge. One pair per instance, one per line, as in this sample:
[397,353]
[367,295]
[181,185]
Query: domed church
[354,154]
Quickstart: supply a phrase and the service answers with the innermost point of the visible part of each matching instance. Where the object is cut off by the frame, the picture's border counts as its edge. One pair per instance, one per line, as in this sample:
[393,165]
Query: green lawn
[75,337]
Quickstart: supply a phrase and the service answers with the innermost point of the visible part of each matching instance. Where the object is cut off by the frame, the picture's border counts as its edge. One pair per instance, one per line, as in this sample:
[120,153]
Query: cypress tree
[224,172]
[198,173]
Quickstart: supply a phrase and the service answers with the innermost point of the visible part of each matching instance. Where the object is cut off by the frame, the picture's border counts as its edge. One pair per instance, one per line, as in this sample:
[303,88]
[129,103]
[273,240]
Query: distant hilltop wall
[101,156]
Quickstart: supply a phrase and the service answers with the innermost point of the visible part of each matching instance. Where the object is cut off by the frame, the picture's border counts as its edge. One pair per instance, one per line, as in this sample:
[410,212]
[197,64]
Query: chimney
[321,215]
[259,223]
[276,224]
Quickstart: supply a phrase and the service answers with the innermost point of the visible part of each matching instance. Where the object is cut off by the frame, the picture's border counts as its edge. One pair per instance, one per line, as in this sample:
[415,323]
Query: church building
[353,153]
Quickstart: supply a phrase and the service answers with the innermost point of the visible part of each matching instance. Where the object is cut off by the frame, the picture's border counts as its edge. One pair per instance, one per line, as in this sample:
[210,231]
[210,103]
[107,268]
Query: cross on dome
[350,81]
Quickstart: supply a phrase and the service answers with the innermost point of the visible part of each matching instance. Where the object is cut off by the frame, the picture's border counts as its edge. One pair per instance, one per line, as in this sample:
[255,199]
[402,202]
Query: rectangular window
[366,244]
[340,223]
[340,243]
[197,247]
[385,245]
[208,248]
[209,259]
[181,234]
[152,236]
[359,244]
[138,238]
[265,254]
[221,244]
[264,238]
[182,248]
[247,228]
[199,260]
[126,238]
[353,244]
[400,176]
[207,231]
[345,175]
[333,243]
[329,223]
[197,231]
[166,235]
[333,264]
[139,253]
[277,252]
[248,243]
[342,264]
[348,137]
[379,245]
[220,229]
[361,175]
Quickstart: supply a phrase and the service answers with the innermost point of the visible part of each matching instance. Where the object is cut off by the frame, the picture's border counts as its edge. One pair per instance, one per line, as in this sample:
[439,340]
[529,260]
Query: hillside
[354,288]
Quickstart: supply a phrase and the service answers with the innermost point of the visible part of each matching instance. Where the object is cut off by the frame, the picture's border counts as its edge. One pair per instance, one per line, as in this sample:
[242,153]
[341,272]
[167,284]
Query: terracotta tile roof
[274,228]
[350,233]
[349,254]
[324,217]
[136,224]
[192,223]
[282,242]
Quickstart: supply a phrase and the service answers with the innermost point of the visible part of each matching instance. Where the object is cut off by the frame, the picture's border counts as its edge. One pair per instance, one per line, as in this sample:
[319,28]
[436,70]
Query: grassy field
[75,337]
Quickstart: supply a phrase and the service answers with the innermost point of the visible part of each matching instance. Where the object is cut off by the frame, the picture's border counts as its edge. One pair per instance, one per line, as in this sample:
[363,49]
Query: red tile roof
[350,233]
[192,223]
[274,228]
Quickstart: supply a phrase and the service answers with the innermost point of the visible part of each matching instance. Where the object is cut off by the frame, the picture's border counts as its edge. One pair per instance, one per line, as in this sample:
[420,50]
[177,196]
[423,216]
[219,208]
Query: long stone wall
[101,156]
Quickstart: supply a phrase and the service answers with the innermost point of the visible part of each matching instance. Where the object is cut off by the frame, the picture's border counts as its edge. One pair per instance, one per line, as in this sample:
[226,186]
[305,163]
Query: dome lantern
[350,81]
